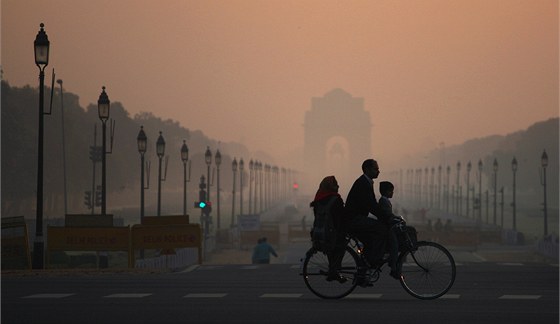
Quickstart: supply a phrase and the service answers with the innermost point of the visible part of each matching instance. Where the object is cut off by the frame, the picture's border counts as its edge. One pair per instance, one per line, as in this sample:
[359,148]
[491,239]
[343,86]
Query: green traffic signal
[201,204]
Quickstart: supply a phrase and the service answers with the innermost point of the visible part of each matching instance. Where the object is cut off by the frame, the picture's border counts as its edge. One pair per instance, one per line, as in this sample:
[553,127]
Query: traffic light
[98,198]
[201,203]
[87,199]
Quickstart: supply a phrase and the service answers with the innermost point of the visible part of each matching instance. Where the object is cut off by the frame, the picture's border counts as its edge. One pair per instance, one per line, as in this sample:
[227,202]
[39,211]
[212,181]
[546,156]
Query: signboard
[15,244]
[165,236]
[88,238]
[249,222]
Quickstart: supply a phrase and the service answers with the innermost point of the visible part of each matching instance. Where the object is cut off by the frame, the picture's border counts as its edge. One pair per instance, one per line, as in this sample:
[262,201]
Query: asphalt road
[484,292]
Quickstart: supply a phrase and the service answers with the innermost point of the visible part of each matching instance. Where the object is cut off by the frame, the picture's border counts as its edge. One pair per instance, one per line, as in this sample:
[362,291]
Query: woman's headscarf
[327,187]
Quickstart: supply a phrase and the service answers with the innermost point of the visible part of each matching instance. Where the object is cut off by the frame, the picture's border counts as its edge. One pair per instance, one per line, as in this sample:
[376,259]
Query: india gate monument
[337,139]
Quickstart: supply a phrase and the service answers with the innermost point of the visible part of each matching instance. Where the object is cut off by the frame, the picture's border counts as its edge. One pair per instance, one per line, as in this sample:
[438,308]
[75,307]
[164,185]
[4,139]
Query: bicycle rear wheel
[428,272]
[316,268]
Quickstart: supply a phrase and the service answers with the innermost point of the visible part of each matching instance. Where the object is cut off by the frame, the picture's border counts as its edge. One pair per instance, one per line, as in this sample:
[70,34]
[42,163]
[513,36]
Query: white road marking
[450,296]
[532,297]
[48,296]
[205,295]
[281,295]
[127,295]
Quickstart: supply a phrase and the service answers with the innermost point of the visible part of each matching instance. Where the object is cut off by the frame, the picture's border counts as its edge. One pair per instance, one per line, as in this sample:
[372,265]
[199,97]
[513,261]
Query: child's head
[386,189]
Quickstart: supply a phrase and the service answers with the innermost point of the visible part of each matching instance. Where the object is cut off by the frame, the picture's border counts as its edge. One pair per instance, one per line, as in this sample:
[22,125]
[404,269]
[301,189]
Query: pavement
[292,253]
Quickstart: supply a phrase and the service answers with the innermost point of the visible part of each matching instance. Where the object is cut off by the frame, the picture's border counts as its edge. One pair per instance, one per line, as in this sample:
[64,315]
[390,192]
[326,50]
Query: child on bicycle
[387,189]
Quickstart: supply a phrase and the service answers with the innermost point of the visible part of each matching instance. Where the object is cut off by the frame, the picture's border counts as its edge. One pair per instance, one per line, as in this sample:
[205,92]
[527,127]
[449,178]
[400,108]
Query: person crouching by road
[262,252]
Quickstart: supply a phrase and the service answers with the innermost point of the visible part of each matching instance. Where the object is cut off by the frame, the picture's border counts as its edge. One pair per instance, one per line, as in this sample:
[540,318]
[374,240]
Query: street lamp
[208,160]
[495,168]
[103,107]
[469,168]
[160,151]
[439,188]
[251,174]
[59,81]
[234,169]
[480,190]
[513,204]
[142,141]
[41,46]
[241,168]
[544,164]
[185,159]
[218,161]
[448,170]
[458,198]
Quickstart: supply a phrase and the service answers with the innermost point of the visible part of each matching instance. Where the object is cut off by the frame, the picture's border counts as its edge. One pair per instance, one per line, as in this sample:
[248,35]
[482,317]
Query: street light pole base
[38,255]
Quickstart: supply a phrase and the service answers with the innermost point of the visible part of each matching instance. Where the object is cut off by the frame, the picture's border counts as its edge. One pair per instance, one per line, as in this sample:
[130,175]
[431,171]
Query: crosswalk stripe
[202,295]
[127,295]
[450,296]
[48,296]
[532,297]
[281,295]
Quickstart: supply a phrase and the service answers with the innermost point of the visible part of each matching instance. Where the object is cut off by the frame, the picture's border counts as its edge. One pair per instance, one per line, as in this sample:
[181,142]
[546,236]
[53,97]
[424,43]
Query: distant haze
[430,72]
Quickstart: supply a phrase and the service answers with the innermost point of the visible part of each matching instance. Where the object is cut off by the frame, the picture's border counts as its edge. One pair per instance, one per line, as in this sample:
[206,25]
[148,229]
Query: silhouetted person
[262,252]
[328,209]
[360,203]
[387,216]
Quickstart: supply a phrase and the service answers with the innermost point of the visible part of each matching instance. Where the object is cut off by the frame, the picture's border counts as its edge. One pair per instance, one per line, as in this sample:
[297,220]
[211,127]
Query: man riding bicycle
[361,202]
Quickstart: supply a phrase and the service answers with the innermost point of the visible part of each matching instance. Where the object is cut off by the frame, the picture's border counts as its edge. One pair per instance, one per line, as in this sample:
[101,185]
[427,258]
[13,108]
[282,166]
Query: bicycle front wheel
[428,272]
[315,272]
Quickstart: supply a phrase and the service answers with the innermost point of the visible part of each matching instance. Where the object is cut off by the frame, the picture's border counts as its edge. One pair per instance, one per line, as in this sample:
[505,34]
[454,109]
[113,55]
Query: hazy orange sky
[245,70]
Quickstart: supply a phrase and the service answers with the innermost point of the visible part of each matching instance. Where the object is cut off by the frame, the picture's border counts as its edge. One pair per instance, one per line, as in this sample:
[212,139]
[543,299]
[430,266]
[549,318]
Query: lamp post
[103,107]
[185,159]
[480,191]
[544,164]
[218,161]
[495,168]
[59,81]
[448,170]
[513,204]
[208,160]
[241,168]
[160,151]
[458,198]
[261,182]
[469,168]
[439,188]
[234,170]
[142,147]
[41,46]
[251,174]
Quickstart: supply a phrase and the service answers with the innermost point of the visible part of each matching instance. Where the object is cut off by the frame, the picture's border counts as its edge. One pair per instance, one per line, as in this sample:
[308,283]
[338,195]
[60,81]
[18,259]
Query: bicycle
[427,268]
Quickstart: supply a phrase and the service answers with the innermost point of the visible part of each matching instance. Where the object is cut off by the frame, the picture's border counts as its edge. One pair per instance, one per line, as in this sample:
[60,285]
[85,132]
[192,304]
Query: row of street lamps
[420,187]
